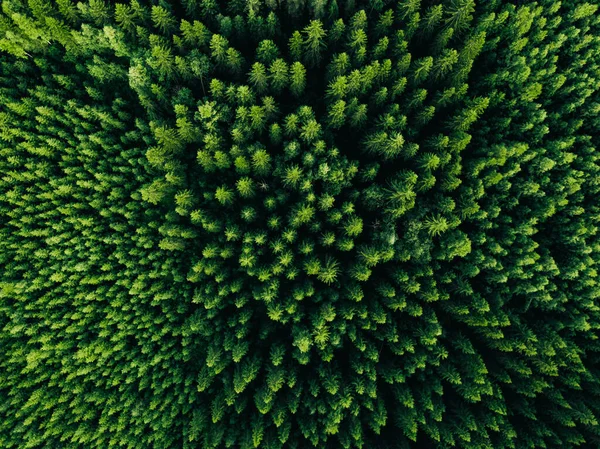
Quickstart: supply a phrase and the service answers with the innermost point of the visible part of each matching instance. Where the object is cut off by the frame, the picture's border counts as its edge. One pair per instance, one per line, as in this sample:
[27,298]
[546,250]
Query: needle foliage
[307,223]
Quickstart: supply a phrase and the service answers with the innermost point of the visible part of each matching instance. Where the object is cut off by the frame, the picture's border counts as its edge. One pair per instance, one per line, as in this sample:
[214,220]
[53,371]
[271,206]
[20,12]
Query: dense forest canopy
[306,223]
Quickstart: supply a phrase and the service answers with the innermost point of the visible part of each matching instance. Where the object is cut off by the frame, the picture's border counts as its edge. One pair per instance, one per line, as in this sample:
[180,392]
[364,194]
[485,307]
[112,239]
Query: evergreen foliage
[304,223]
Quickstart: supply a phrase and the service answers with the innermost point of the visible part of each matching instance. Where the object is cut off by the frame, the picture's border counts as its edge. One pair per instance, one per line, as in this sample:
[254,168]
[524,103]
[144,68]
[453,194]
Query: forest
[295,224]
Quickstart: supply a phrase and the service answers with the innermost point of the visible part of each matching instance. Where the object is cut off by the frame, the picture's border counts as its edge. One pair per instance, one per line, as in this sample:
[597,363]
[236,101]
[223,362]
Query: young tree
[278,74]
[267,52]
[297,78]
[337,115]
[313,42]
[459,14]
[258,77]
[163,20]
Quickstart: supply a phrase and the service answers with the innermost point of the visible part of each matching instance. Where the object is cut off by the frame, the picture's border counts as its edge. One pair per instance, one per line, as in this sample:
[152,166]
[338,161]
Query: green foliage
[313,223]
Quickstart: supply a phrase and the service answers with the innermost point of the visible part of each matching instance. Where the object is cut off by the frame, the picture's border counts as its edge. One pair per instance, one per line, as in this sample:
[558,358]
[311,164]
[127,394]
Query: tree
[124,16]
[337,114]
[258,77]
[235,61]
[278,73]
[422,69]
[98,11]
[68,11]
[218,47]
[459,14]
[267,52]
[194,33]
[163,19]
[313,42]
[295,45]
[407,8]
[297,78]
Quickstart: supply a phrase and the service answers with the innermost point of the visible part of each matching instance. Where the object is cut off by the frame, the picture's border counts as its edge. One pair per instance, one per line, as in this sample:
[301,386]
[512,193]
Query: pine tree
[313,42]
